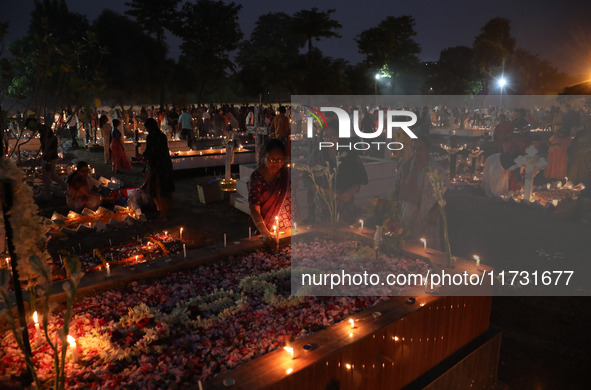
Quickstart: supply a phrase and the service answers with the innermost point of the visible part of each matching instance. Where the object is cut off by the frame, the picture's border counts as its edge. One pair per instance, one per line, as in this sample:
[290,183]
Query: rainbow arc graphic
[313,112]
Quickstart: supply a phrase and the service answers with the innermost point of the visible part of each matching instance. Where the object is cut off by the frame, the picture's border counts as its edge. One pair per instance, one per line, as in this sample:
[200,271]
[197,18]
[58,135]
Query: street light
[375,87]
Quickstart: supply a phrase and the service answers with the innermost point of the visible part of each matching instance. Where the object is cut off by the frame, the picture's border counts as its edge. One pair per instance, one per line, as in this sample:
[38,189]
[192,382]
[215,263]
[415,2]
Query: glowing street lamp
[375,85]
[502,82]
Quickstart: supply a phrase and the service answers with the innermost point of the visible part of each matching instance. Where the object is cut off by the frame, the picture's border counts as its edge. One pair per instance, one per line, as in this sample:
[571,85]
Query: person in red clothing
[503,133]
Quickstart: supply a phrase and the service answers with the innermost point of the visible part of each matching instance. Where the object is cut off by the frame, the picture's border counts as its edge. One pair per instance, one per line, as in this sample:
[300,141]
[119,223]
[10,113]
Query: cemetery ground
[544,339]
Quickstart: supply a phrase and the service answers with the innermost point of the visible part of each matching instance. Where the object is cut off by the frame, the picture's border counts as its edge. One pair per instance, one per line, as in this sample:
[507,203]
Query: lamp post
[375,88]
[501,82]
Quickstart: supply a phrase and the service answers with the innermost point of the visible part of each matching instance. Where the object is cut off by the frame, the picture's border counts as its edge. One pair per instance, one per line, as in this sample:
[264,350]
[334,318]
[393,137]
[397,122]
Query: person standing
[557,155]
[186,127]
[159,175]
[418,210]
[49,145]
[503,133]
[118,156]
[106,128]
[280,125]
[72,123]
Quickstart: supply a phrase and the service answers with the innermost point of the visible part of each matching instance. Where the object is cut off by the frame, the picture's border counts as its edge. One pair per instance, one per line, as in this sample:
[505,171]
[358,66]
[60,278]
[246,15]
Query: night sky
[558,31]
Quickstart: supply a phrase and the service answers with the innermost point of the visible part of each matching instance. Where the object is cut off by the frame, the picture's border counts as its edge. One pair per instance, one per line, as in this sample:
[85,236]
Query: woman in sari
[118,157]
[269,194]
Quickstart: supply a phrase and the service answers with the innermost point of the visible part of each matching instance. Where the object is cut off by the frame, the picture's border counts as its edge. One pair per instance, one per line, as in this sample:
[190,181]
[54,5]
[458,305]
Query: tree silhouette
[155,16]
[390,44]
[455,73]
[493,45]
[134,65]
[314,24]
[268,60]
[210,32]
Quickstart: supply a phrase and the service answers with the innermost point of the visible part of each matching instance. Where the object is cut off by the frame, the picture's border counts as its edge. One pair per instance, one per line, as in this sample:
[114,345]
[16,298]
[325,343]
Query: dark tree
[155,16]
[313,25]
[210,32]
[391,45]
[454,74]
[531,75]
[135,63]
[268,60]
[56,66]
[493,46]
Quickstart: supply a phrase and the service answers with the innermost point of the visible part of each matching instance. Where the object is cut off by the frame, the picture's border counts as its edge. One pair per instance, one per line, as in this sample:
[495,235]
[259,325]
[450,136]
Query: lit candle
[136,257]
[352,322]
[110,242]
[477,258]
[185,250]
[224,240]
[289,371]
[361,222]
[108,268]
[72,342]
[61,260]
[166,233]
[295,227]
[276,233]
[424,241]
[289,351]
[8,262]
[249,232]
[37,329]
[548,185]
[181,234]
[555,202]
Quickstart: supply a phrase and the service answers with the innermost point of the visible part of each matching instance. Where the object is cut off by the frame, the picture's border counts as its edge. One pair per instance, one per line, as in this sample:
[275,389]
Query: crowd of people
[566,144]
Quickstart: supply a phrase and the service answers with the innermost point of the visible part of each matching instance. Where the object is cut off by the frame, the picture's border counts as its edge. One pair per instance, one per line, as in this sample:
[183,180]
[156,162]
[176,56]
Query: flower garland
[29,237]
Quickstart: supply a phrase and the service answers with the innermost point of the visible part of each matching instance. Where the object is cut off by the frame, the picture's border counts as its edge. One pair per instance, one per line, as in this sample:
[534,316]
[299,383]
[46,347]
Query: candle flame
[476,257]
[348,366]
[352,322]
[289,351]
[423,240]
[72,341]
[289,371]
[36,318]
[555,202]
[396,338]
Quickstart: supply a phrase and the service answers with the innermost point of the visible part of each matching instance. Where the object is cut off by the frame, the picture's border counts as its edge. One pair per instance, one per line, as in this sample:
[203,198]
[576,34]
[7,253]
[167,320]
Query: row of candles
[71,340]
[476,258]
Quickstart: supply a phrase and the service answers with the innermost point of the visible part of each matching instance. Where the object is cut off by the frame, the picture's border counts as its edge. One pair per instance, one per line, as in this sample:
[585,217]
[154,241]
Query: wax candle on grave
[37,329]
[185,250]
[424,241]
[108,268]
[289,351]
[181,234]
[295,227]
[224,240]
[72,342]
[110,243]
[361,222]
[249,233]
[477,258]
